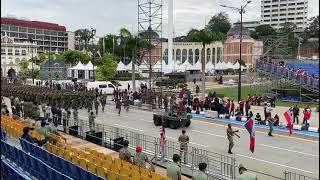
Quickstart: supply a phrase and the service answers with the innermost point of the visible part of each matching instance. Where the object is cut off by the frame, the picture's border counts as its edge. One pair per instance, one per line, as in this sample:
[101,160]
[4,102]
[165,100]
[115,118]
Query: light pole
[32,74]
[241,12]
[93,33]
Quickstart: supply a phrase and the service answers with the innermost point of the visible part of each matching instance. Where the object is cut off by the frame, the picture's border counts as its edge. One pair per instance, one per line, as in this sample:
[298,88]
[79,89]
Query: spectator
[295,114]
[276,120]
[140,159]
[241,106]
[238,114]
[173,170]
[124,153]
[26,136]
[307,116]
[247,107]
[201,175]
[258,118]
[228,106]
[250,115]
[245,175]
[4,110]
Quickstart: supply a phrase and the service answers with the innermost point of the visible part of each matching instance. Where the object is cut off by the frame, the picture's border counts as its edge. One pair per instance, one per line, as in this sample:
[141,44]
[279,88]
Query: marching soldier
[118,105]
[103,102]
[75,117]
[96,105]
[184,140]
[230,134]
[165,103]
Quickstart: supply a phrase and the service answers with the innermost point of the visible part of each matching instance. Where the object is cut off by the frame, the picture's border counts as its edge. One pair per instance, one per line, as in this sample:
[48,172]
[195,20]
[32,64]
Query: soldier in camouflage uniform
[103,102]
[91,121]
[165,103]
[124,153]
[184,140]
[140,159]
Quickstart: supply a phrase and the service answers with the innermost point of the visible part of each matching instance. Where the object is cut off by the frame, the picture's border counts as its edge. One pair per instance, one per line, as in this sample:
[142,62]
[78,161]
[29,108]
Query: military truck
[172,121]
[172,79]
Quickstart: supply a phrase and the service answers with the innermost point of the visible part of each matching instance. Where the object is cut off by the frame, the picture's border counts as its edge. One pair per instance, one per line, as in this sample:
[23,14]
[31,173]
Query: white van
[104,86]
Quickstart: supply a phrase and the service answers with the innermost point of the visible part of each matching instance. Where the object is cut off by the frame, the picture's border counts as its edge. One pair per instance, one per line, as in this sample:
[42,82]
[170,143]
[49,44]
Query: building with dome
[250,47]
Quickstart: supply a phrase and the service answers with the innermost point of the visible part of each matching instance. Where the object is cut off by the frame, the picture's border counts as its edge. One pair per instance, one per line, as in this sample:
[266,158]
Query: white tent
[229,65]
[210,67]
[121,67]
[196,66]
[79,66]
[221,66]
[237,66]
[89,66]
[129,67]
[186,65]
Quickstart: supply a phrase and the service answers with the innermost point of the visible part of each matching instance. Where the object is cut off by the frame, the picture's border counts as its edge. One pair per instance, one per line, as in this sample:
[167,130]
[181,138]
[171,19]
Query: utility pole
[241,12]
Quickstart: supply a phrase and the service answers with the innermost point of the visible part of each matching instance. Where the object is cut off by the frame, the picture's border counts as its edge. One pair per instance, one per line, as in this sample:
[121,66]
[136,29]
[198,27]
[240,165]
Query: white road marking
[189,142]
[208,133]
[144,120]
[129,127]
[289,150]
[274,163]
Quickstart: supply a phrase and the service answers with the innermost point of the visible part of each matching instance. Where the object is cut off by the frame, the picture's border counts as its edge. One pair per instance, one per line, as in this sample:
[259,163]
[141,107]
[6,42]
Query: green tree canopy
[312,31]
[219,23]
[73,57]
[83,36]
[24,71]
[288,29]
[263,31]
[108,68]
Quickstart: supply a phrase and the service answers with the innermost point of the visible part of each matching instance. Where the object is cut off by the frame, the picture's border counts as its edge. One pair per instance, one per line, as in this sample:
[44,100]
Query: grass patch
[232,92]
[299,104]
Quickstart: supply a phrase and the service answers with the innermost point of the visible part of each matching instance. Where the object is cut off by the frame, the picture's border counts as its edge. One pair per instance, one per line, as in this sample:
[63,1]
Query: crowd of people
[282,70]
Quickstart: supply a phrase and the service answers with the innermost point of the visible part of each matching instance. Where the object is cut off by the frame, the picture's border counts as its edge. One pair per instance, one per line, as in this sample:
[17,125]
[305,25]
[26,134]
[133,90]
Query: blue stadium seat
[57,165]
[75,171]
[64,165]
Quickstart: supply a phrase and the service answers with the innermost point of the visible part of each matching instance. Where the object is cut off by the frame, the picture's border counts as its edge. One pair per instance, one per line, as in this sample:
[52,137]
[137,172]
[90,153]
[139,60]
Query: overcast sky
[108,16]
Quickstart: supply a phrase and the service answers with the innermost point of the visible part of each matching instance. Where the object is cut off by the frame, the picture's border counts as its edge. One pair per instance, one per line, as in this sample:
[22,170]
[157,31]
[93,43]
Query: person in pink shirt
[307,116]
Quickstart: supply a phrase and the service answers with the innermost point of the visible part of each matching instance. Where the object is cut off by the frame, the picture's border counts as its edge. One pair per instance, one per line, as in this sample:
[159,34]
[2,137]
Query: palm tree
[205,36]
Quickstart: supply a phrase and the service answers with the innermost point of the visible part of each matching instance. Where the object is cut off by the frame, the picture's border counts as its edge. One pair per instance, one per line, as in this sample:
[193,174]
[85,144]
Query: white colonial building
[13,52]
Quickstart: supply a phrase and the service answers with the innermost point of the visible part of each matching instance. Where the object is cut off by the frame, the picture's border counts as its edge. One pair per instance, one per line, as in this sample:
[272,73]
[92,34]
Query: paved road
[272,155]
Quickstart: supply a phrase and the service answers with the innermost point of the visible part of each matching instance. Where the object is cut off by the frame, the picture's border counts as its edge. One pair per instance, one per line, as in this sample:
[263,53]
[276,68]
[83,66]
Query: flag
[288,117]
[162,139]
[249,125]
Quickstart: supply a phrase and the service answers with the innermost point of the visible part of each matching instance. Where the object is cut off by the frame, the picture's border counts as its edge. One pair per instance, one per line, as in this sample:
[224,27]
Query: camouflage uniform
[91,122]
[125,155]
[184,139]
[140,160]
[230,134]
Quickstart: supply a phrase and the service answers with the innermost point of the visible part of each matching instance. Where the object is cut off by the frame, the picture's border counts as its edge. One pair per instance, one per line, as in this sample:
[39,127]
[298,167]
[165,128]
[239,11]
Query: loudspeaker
[94,137]
[74,131]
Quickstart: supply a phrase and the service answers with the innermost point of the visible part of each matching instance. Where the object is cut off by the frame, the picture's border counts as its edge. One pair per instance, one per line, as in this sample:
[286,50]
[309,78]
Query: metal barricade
[294,176]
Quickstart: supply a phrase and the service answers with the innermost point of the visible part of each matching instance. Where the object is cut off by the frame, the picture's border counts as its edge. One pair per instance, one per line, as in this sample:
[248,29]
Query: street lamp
[241,12]
[31,41]
[93,33]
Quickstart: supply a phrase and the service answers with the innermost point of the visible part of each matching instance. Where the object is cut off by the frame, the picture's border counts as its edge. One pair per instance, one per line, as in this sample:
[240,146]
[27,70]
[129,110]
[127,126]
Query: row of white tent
[166,68]
[186,66]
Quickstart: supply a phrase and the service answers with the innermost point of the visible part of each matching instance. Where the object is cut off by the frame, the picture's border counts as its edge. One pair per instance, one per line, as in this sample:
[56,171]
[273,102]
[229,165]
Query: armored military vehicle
[172,121]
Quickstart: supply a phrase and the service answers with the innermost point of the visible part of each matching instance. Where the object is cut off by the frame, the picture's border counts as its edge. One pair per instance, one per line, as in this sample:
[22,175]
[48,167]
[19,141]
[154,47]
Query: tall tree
[108,69]
[312,31]
[24,71]
[219,23]
[205,36]
[83,36]
[73,57]
[263,31]
[288,29]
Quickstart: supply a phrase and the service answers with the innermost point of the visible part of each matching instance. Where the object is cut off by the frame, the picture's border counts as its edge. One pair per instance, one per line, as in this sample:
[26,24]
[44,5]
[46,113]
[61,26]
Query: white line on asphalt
[289,150]
[144,120]
[189,142]
[208,133]
[275,163]
[129,127]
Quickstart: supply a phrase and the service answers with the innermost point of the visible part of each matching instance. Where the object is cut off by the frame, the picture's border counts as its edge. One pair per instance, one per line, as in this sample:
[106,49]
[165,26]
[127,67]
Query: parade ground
[273,155]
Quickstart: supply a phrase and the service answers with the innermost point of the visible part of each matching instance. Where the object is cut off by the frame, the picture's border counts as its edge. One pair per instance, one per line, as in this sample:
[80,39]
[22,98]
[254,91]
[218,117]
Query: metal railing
[294,176]
[218,166]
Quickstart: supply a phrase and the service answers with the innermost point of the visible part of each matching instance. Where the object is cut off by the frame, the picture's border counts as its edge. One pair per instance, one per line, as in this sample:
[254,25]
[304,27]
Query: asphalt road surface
[273,155]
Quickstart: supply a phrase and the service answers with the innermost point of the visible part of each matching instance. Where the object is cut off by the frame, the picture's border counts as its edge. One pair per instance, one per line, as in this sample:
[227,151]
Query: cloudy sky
[108,16]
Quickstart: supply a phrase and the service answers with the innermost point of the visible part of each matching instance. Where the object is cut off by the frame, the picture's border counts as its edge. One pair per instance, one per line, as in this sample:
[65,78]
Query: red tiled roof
[33,24]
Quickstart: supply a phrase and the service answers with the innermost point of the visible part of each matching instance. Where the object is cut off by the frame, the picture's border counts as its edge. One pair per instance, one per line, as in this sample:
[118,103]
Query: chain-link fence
[294,176]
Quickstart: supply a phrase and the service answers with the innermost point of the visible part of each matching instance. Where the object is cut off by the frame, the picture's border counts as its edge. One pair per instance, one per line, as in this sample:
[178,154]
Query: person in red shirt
[228,107]
[241,106]
[232,108]
[307,116]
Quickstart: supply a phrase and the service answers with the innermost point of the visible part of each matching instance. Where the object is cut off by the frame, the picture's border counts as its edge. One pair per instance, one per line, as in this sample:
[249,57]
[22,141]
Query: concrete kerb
[311,132]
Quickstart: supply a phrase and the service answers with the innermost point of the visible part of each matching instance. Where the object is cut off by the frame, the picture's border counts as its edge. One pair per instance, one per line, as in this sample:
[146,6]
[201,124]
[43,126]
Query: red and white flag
[288,117]
[249,125]
[162,139]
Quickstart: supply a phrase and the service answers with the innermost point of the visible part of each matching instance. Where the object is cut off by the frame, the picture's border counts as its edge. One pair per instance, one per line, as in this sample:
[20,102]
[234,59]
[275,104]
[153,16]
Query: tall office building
[277,12]
[49,36]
